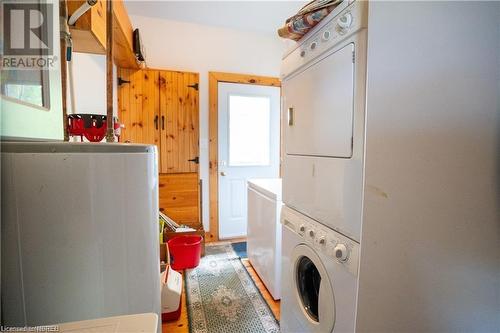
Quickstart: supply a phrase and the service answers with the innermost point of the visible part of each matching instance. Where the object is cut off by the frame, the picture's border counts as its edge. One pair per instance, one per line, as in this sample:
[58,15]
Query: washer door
[313,290]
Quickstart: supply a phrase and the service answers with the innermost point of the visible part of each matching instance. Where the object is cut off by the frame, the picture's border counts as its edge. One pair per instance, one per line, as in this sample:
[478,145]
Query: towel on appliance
[311,14]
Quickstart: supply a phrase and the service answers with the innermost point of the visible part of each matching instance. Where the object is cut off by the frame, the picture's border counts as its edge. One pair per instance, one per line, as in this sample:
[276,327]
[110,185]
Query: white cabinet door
[318,110]
[249,143]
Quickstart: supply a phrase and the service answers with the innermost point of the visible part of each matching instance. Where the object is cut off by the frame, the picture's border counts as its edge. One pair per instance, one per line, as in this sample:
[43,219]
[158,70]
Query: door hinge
[353,57]
[195,86]
[195,160]
[122,81]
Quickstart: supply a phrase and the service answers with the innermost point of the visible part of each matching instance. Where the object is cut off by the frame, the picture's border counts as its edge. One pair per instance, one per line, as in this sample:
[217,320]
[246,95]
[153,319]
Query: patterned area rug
[222,297]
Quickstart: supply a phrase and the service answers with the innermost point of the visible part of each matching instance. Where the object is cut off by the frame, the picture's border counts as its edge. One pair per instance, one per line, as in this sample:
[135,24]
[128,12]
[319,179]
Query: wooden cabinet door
[179,130]
[161,108]
[138,106]
[180,197]
[179,136]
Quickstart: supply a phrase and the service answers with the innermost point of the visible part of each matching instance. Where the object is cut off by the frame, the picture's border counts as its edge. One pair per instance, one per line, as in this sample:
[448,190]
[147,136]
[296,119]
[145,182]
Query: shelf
[89,32]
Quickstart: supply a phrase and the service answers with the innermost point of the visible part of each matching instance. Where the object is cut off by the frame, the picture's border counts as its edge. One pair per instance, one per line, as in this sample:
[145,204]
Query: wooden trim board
[213,114]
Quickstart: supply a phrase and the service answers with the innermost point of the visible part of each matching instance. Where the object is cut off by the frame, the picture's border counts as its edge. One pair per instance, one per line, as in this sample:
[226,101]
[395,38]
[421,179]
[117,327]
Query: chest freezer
[264,231]
[79,232]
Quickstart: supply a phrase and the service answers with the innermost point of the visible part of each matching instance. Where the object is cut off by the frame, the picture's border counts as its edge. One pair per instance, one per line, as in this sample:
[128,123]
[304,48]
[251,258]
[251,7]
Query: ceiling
[257,16]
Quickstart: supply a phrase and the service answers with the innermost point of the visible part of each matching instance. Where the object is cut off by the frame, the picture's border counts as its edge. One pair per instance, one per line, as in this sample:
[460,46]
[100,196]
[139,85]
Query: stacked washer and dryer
[323,81]
[390,170]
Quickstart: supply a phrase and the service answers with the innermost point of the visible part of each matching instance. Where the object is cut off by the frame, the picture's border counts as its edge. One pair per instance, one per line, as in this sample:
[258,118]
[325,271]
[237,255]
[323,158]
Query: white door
[249,143]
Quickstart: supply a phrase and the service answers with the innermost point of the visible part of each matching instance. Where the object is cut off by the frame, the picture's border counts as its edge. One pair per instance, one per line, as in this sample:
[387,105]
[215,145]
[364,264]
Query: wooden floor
[182,325]
[273,305]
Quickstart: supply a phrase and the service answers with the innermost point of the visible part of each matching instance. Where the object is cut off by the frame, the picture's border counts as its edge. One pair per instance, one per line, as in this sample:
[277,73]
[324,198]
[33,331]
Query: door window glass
[249,130]
[308,283]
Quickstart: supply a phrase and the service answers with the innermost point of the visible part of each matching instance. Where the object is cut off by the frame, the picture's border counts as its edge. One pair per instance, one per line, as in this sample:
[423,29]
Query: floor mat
[241,249]
[222,297]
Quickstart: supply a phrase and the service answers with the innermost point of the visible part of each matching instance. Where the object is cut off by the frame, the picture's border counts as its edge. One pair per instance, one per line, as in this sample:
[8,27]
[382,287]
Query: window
[26,82]
[249,130]
[29,86]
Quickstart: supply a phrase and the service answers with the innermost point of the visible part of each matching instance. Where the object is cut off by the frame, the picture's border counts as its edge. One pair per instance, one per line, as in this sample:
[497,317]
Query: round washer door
[313,290]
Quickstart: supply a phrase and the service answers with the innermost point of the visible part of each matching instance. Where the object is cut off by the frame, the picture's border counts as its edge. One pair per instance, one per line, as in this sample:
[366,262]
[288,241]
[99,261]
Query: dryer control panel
[344,21]
[323,239]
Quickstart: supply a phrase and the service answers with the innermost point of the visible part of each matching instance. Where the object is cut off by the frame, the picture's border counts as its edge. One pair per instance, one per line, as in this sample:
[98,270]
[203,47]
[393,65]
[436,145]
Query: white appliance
[430,235]
[139,323]
[79,232]
[323,97]
[319,284]
[264,231]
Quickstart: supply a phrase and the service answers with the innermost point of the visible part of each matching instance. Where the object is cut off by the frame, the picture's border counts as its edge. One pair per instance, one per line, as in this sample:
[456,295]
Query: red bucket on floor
[185,251]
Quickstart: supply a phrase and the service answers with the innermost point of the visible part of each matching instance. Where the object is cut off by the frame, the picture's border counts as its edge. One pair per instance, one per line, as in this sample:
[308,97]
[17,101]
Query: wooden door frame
[213,133]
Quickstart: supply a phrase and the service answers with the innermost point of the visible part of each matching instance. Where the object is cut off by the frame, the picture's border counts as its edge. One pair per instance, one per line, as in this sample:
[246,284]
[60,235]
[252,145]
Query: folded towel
[308,16]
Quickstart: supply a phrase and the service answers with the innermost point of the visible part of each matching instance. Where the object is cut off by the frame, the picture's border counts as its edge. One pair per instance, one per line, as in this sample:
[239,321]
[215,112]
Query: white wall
[89,77]
[201,48]
[430,247]
[187,47]
[89,83]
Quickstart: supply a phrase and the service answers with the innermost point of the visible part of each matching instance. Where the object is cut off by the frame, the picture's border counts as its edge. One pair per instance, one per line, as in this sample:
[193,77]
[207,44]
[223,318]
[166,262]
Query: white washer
[319,277]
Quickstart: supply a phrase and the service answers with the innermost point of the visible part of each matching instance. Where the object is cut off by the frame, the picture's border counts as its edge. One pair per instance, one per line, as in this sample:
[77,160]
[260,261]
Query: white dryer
[319,277]
[323,86]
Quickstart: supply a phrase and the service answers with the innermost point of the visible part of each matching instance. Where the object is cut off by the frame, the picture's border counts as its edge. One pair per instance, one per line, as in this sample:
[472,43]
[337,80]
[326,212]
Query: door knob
[222,173]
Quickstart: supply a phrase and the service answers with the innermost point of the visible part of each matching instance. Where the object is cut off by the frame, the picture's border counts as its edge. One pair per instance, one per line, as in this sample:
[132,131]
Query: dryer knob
[302,228]
[311,233]
[341,252]
[345,22]
[322,241]
[326,35]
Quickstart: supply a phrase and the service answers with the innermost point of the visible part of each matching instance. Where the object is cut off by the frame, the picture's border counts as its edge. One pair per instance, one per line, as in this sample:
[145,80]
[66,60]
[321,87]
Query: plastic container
[185,251]
[91,126]
[171,294]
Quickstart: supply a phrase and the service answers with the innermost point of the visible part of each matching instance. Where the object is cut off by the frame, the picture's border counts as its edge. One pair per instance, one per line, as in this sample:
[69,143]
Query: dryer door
[313,290]
[319,106]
